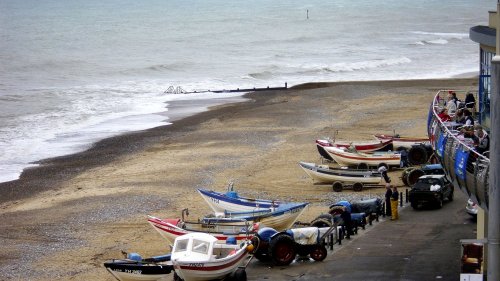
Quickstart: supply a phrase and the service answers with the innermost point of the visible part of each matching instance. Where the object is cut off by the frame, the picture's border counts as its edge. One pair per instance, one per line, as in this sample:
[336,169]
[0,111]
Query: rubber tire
[324,220]
[337,186]
[357,186]
[239,274]
[450,197]
[362,166]
[282,249]
[440,203]
[318,252]
[418,155]
[413,176]
[414,205]
[404,175]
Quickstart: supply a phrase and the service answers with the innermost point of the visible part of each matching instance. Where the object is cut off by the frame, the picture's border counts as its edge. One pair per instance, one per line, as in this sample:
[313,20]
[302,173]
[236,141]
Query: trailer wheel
[238,275]
[282,250]
[362,166]
[357,186]
[318,252]
[337,186]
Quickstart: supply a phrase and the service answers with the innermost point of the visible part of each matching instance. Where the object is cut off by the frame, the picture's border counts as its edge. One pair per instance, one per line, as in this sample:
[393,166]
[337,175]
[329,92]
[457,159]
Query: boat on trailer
[199,256]
[135,268]
[364,160]
[399,142]
[233,202]
[361,146]
[170,229]
[282,217]
[326,174]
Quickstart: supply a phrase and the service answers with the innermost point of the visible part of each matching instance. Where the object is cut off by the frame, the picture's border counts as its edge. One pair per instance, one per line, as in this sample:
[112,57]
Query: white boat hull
[352,159]
[316,175]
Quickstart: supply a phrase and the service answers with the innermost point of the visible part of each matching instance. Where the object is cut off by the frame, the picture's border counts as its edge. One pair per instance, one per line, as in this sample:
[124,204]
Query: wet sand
[64,219]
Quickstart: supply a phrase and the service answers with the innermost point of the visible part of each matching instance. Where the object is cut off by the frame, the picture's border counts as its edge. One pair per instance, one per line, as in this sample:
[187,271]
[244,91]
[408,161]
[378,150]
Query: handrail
[465,167]
[448,131]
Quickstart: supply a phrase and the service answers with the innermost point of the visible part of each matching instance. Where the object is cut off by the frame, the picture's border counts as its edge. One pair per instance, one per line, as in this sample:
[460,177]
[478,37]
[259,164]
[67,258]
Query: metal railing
[467,169]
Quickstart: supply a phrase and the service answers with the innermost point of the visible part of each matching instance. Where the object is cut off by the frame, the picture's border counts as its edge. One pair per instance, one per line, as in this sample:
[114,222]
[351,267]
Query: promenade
[422,245]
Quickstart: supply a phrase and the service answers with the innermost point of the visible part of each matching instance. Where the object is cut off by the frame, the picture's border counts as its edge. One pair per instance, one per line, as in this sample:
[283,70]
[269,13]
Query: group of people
[391,195]
[462,114]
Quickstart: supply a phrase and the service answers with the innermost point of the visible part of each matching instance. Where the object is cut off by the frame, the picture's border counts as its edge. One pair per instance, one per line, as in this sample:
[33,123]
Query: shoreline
[83,209]
[106,151]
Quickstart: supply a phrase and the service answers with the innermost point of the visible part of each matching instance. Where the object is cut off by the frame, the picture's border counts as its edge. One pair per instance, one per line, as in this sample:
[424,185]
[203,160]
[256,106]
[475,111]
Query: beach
[62,220]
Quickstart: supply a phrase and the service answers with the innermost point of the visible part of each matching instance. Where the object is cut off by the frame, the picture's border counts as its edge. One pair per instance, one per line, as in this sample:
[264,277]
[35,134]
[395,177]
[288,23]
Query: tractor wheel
[318,252]
[404,175]
[337,186]
[282,249]
[357,186]
[418,155]
[413,176]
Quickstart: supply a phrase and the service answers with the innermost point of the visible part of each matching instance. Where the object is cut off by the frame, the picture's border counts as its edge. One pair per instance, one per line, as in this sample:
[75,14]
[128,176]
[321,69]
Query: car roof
[432,177]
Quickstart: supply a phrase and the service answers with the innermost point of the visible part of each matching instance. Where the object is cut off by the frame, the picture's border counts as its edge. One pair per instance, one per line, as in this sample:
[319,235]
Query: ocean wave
[444,34]
[432,42]
[322,69]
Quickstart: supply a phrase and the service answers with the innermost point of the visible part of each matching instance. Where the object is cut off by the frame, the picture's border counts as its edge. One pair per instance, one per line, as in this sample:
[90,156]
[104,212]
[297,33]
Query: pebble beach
[63,219]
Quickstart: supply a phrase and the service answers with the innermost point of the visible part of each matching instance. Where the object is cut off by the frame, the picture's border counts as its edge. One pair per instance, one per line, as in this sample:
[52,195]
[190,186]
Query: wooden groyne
[179,90]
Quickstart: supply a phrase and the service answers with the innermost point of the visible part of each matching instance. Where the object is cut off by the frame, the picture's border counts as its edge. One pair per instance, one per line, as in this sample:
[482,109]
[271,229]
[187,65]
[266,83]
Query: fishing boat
[237,224]
[198,256]
[363,160]
[361,146]
[170,229]
[135,268]
[281,217]
[326,174]
[399,142]
[231,201]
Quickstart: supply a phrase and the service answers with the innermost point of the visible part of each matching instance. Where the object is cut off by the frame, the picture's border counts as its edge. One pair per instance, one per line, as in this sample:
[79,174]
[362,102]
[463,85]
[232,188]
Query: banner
[441,144]
[461,157]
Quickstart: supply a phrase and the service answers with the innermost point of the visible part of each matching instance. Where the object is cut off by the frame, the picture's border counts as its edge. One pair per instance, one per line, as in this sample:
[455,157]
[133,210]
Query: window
[181,245]
[200,246]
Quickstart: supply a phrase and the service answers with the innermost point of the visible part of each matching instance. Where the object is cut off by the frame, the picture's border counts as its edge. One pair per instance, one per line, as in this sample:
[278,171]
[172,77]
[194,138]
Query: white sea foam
[69,88]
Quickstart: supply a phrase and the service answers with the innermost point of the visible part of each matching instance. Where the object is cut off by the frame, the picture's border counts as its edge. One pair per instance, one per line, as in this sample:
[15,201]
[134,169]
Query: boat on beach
[199,256]
[363,160]
[170,229]
[135,268]
[233,202]
[326,174]
[399,142]
[236,224]
[281,218]
[368,146]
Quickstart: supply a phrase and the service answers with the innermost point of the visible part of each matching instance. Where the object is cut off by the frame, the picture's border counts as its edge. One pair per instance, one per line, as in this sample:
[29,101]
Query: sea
[73,72]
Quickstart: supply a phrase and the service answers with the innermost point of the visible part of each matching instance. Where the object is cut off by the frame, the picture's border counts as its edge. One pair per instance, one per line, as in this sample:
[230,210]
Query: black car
[431,189]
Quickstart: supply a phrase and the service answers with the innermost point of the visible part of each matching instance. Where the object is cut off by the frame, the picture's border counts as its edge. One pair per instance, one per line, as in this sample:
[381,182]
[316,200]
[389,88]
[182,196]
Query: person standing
[388,194]
[394,203]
